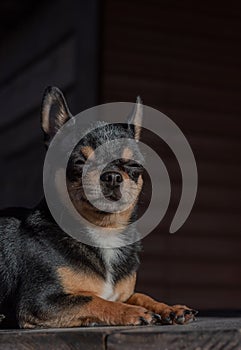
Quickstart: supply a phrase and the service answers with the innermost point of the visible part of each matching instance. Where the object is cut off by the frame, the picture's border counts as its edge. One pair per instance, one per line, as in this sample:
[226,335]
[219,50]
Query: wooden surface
[206,333]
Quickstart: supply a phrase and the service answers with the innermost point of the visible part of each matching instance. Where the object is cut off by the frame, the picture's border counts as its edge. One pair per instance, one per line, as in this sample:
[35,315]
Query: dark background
[183,58]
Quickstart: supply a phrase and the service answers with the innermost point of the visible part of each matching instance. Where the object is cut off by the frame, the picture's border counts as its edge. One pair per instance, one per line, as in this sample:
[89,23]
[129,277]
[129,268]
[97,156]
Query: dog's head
[122,175]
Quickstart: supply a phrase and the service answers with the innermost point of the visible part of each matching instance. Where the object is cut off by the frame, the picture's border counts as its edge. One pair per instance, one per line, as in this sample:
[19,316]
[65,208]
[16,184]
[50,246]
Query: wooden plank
[215,14]
[201,224]
[205,334]
[81,338]
[68,339]
[182,70]
[180,95]
[216,176]
[205,148]
[219,124]
[179,246]
[180,272]
[209,199]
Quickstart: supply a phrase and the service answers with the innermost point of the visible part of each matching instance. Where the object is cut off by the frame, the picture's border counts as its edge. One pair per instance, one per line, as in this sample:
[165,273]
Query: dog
[48,278]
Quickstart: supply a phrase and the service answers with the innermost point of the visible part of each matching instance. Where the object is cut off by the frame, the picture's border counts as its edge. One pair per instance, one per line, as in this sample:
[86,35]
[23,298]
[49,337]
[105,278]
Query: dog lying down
[52,280]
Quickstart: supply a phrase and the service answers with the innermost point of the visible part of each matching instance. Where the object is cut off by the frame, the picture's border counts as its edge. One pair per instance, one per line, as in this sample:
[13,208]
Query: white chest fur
[109,256]
[108,292]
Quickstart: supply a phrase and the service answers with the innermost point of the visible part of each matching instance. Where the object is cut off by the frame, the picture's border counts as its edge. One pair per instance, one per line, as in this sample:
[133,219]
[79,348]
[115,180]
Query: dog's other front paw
[1,317]
[176,314]
[183,314]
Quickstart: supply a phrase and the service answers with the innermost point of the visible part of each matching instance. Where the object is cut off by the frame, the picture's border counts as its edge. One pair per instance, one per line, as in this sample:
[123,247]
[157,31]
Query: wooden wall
[183,58]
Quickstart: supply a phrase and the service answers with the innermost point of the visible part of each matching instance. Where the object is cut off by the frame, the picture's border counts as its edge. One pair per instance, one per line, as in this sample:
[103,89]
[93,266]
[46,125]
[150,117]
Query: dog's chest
[124,288]
[75,281]
[121,291]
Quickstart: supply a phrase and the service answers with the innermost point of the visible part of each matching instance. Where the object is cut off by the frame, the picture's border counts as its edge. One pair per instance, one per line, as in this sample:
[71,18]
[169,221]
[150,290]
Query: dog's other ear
[54,112]
[136,118]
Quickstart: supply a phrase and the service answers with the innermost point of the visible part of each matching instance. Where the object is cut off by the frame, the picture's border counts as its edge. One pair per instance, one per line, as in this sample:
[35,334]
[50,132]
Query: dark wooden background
[183,58]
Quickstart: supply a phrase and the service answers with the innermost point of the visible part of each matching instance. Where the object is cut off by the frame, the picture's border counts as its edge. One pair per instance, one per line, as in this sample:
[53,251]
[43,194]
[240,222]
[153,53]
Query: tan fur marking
[127,153]
[140,183]
[153,305]
[45,117]
[145,301]
[125,175]
[87,151]
[125,288]
[74,282]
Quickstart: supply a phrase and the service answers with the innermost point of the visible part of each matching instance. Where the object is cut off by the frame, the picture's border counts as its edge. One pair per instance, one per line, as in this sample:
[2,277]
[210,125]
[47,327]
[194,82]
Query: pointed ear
[136,118]
[54,112]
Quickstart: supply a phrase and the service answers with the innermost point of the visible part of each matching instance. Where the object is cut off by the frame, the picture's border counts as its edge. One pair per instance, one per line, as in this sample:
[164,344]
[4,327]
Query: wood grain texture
[42,340]
[206,333]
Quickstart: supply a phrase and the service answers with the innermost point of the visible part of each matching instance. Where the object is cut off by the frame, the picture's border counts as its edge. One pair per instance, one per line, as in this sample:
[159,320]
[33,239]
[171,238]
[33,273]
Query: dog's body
[48,278]
[41,261]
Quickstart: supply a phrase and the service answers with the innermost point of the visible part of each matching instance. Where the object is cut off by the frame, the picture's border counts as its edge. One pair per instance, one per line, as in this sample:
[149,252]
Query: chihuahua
[50,279]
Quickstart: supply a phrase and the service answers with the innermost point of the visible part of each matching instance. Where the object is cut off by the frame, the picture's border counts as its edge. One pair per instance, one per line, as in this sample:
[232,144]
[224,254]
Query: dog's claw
[143,321]
[157,319]
[172,315]
[167,320]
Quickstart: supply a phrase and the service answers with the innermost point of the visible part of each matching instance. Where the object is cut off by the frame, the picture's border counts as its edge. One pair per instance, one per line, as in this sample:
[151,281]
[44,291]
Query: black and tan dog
[49,279]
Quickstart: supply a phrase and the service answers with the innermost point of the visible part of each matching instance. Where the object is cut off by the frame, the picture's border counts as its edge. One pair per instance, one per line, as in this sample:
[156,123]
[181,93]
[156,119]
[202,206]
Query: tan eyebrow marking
[88,151]
[127,153]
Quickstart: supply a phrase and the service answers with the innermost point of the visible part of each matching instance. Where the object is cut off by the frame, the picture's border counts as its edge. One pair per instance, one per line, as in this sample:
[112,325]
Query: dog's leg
[176,314]
[83,310]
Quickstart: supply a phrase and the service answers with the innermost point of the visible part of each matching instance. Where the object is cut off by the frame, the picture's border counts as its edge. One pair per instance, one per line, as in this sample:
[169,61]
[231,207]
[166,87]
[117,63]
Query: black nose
[111,178]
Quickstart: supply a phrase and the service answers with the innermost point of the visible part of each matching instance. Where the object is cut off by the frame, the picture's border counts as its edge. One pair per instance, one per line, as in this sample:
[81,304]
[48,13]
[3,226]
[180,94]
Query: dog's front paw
[1,317]
[138,316]
[176,314]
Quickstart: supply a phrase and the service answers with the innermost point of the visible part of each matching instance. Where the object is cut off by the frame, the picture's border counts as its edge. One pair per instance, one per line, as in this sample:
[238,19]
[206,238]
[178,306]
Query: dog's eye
[134,169]
[134,166]
[135,174]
